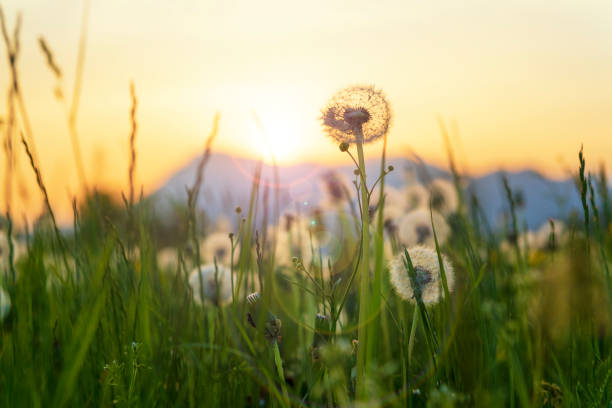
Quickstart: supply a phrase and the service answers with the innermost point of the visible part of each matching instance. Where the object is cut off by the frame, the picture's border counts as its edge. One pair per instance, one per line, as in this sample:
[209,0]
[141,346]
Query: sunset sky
[527,82]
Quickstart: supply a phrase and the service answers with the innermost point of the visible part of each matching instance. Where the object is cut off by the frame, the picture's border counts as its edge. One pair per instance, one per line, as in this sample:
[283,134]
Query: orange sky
[527,83]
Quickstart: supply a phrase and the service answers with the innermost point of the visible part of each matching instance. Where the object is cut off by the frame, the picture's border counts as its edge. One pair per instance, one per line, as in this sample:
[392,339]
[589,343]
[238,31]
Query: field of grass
[381,297]
[98,318]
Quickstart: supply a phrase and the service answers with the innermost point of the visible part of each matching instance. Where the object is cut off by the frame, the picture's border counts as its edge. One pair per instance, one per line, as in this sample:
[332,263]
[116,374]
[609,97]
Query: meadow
[381,296]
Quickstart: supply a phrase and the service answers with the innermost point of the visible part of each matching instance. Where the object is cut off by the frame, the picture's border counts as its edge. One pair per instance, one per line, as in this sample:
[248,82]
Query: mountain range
[228,180]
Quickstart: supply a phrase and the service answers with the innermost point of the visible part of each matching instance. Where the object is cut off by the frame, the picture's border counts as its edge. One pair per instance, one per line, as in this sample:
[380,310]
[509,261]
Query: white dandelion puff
[443,196]
[218,246]
[415,196]
[216,284]
[391,216]
[415,228]
[357,114]
[428,276]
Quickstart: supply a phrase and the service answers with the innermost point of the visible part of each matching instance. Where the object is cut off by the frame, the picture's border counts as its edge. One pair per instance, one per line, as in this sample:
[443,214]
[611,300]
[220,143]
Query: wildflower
[5,304]
[216,284]
[217,246]
[357,114]
[415,228]
[428,278]
[443,196]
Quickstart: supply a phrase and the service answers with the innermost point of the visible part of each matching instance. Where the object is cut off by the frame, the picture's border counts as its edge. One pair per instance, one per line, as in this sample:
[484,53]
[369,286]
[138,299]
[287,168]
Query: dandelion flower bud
[357,114]
[428,277]
[344,146]
[238,210]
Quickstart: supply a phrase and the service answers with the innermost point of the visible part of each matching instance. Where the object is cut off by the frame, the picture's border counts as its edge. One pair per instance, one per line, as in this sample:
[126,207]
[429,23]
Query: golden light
[276,133]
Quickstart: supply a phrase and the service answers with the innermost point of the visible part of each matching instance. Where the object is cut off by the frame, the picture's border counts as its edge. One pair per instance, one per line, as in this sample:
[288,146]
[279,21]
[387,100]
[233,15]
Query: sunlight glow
[276,135]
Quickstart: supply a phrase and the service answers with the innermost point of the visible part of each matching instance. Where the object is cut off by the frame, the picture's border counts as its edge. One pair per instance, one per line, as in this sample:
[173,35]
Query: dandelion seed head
[217,290]
[414,228]
[359,113]
[217,246]
[428,277]
[443,196]
[415,196]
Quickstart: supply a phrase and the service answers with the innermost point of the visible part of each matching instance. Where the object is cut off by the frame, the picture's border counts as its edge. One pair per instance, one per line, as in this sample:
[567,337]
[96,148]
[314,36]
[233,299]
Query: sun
[277,138]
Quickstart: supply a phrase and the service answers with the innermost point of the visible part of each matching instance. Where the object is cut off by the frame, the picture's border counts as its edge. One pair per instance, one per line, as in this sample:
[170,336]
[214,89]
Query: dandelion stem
[365,277]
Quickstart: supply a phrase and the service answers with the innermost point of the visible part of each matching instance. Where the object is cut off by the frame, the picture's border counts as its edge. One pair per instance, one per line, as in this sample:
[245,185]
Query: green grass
[94,322]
